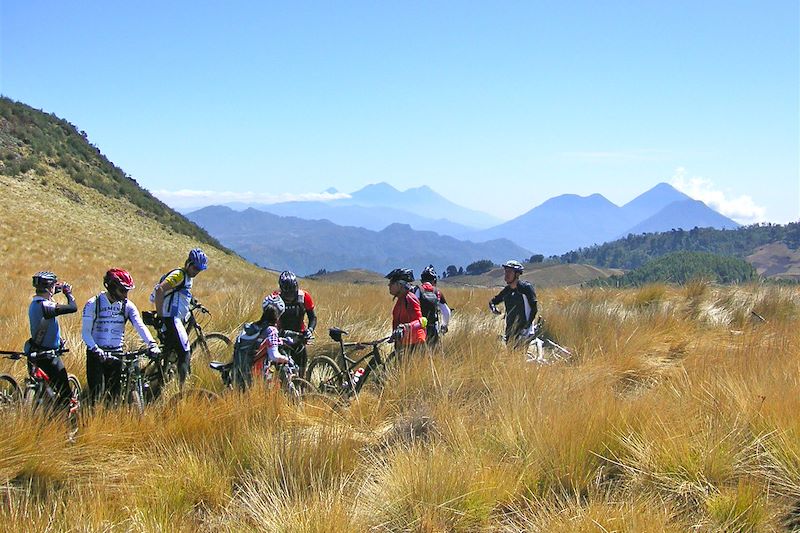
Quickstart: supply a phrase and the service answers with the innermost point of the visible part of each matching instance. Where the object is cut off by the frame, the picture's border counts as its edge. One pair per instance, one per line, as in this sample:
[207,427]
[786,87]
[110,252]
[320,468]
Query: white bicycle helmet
[274,301]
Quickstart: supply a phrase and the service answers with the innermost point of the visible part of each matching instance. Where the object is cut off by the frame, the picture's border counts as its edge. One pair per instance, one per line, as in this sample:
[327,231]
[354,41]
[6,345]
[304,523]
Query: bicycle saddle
[217,365]
[336,334]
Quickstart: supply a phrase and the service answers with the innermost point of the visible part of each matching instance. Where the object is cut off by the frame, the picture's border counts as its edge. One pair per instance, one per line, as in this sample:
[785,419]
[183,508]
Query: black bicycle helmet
[429,274]
[400,274]
[516,266]
[287,282]
[44,279]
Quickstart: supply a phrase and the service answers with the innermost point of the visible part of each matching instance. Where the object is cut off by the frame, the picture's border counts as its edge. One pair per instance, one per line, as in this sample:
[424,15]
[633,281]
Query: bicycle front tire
[324,375]
[75,386]
[9,391]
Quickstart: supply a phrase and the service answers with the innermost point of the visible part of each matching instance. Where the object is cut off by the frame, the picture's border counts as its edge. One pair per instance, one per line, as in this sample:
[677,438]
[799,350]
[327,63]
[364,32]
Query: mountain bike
[133,388]
[347,377]
[204,344]
[537,342]
[287,376]
[37,392]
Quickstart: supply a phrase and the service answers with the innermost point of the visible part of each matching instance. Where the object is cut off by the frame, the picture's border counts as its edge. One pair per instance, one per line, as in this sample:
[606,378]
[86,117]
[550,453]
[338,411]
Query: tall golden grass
[678,411]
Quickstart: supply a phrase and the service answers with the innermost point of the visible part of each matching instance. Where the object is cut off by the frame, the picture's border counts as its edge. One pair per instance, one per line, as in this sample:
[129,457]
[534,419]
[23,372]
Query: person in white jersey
[103,331]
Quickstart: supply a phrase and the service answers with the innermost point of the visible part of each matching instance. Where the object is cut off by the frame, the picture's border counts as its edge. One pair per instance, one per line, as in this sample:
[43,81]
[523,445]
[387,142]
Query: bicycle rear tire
[10,394]
[324,375]
[216,346]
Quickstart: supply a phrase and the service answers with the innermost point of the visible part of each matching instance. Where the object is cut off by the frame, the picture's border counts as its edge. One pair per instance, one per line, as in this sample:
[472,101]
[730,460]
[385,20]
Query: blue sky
[496,105]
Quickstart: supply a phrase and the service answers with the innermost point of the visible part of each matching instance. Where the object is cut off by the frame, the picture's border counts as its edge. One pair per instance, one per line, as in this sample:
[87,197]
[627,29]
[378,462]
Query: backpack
[244,347]
[429,302]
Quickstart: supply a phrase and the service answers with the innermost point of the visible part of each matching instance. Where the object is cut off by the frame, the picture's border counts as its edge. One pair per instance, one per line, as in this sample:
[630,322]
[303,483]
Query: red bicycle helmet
[117,276]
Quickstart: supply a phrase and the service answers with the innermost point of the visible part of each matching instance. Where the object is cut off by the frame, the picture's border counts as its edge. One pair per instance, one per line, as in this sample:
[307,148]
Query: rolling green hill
[682,267]
[635,250]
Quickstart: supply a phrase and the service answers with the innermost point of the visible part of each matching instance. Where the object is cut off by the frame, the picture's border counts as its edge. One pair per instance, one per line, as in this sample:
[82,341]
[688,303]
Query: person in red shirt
[409,330]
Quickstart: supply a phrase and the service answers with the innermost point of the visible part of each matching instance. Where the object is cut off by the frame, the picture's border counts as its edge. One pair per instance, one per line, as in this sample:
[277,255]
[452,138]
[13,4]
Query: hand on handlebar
[153,351]
[308,334]
[397,334]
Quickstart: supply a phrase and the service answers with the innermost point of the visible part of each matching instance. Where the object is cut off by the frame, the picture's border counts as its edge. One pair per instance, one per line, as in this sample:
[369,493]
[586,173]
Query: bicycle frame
[37,381]
[349,366]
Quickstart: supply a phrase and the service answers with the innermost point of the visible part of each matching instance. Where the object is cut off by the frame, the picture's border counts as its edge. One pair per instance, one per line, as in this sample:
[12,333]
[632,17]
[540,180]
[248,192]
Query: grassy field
[678,411]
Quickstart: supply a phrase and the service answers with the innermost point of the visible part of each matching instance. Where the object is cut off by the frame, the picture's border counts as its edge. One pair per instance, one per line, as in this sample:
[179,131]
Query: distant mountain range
[379,227]
[378,205]
[306,246]
[569,221]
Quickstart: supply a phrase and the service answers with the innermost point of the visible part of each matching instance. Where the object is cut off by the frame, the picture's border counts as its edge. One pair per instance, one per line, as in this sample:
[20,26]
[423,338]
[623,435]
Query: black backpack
[429,304]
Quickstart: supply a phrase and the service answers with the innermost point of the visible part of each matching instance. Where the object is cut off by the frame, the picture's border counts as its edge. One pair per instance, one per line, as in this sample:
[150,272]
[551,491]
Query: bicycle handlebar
[130,355]
[32,355]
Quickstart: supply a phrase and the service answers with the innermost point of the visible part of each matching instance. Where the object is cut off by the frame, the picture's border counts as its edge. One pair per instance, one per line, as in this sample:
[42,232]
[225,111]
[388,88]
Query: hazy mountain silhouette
[685,214]
[307,246]
[569,221]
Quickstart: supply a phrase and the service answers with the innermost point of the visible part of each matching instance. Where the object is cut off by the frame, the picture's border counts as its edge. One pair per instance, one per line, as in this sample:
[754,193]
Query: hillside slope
[51,221]
[41,143]
[635,250]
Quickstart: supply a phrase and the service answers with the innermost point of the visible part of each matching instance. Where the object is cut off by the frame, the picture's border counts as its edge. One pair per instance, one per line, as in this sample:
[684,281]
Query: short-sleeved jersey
[177,299]
[294,316]
[45,330]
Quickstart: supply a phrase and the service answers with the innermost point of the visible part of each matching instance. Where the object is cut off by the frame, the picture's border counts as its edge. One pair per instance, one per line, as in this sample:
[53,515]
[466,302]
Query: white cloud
[187,198]
[740,208]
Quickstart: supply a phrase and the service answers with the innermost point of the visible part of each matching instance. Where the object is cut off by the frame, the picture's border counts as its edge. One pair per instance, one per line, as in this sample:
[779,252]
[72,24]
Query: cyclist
[433,304]
[173,297]
[46,331]
[519,299]
[407,324]
[258,343]
[298,304]
[103,331]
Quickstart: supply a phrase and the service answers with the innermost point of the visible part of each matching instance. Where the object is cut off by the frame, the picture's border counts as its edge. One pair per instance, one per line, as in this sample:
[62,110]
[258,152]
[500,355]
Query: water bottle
[357,375]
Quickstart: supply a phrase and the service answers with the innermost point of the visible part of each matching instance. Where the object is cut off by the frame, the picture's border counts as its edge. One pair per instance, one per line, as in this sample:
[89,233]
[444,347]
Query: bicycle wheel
[75,386]
[9,391]
[210,346]
[323,375]
[135,402]
[194,396]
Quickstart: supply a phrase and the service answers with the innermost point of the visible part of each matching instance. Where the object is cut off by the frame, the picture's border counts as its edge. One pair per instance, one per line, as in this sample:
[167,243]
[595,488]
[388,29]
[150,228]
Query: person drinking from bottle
[407,323]
[173,297]
[519,299]
[103,332]
[46,331]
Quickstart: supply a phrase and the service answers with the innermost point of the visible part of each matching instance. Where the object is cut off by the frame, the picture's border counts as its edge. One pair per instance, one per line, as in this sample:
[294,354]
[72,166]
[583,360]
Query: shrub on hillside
[479,267]
[683,267]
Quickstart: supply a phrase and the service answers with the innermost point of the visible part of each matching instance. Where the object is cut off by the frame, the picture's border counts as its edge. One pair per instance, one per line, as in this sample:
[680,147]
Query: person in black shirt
[299,305]
[519,299]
